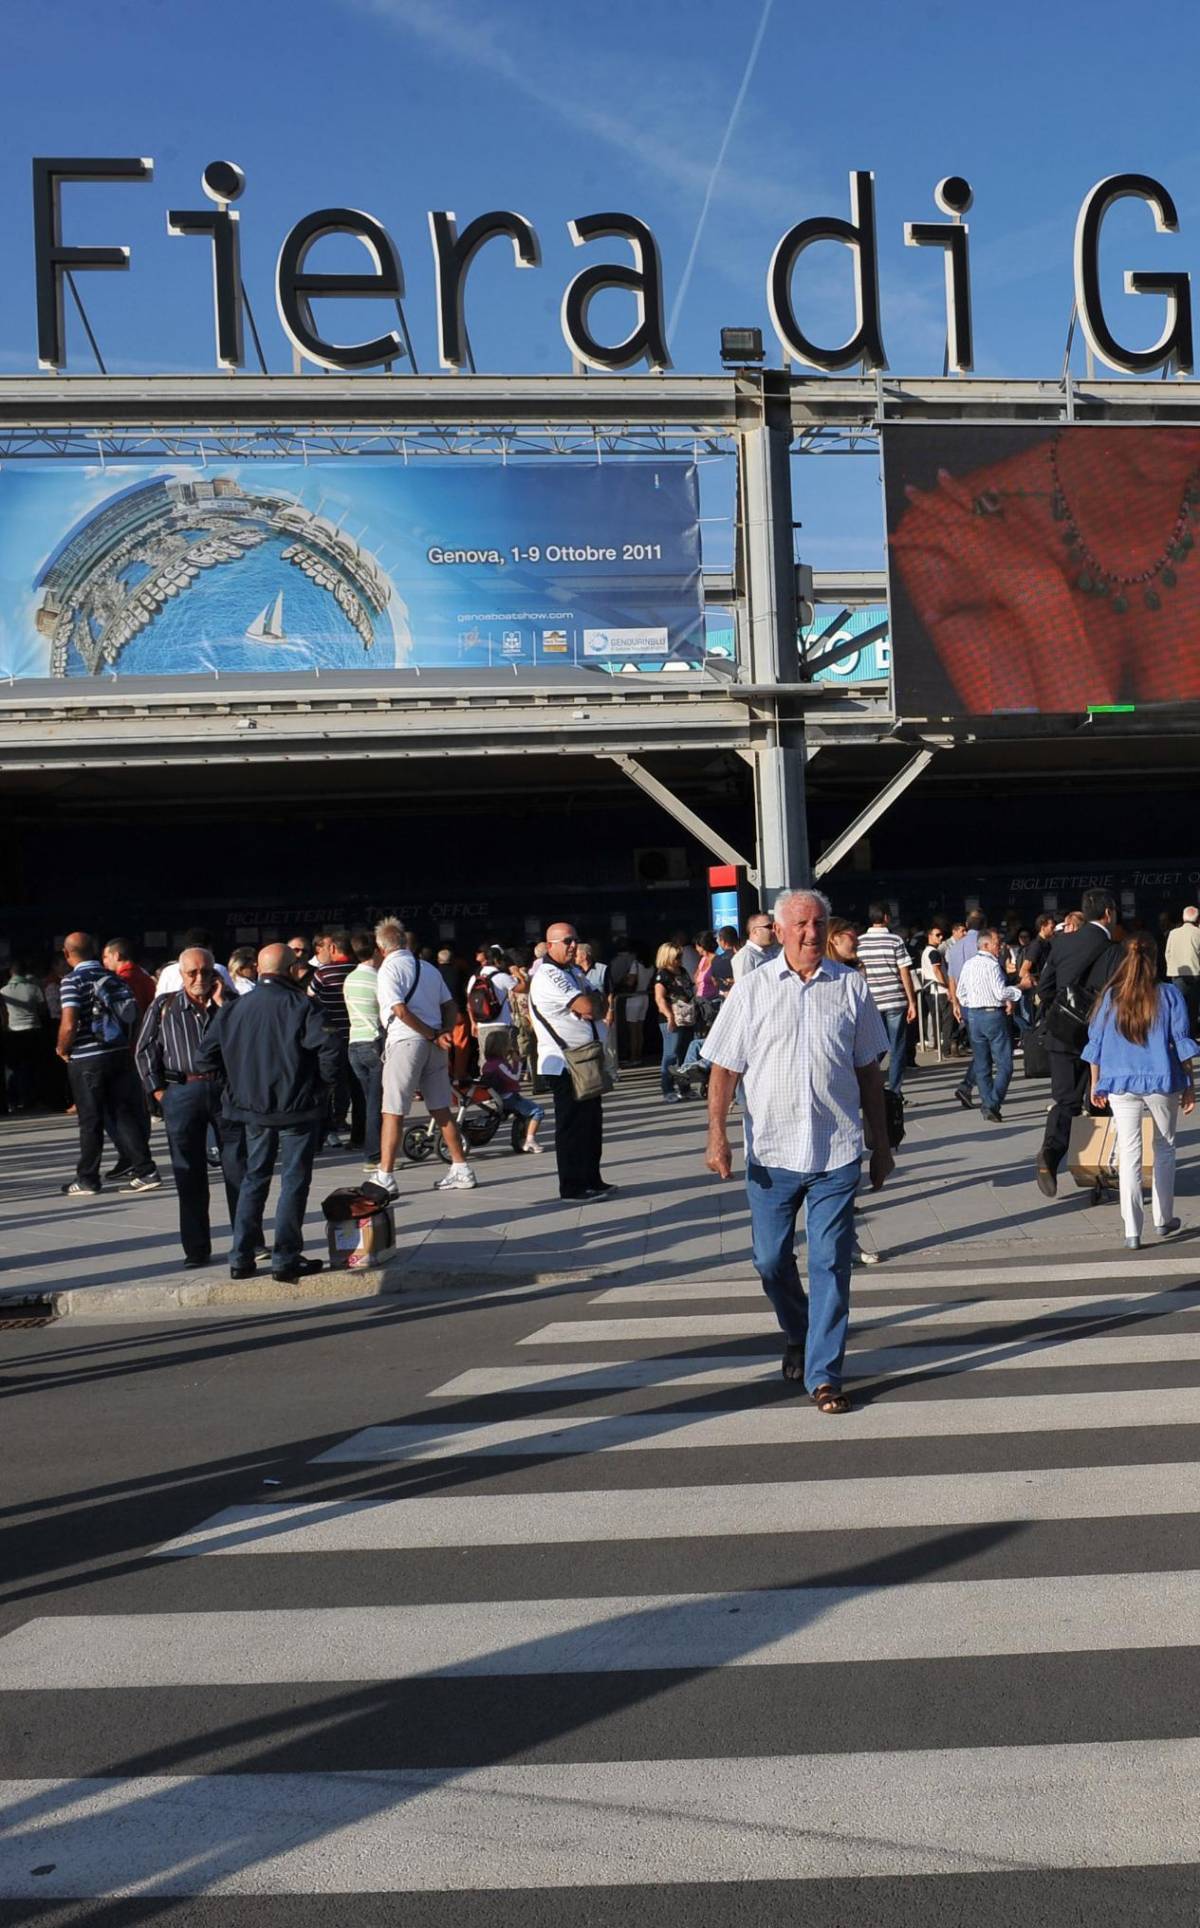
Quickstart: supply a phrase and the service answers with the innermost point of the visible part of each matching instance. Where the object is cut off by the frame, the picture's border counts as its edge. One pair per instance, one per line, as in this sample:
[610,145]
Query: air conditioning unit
[661,864]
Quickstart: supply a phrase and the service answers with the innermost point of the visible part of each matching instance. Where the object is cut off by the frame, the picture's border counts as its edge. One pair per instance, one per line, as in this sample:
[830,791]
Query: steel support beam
[704,833]
[771,656]
[893,788]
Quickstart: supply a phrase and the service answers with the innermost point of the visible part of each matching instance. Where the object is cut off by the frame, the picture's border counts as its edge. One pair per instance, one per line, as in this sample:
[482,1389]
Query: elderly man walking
[1183,962]
[804,1036]
[278,1060]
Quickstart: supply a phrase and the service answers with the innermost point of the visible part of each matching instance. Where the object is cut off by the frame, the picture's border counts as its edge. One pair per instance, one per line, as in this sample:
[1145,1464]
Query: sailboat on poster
[267,626]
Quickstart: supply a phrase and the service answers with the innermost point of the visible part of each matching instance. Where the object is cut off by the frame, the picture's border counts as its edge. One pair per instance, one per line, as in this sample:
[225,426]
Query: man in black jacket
[1084,960]
[278,1061]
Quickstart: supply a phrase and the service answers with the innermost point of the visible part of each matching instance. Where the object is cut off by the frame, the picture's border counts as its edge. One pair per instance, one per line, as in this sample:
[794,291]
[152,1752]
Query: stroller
[691,1077]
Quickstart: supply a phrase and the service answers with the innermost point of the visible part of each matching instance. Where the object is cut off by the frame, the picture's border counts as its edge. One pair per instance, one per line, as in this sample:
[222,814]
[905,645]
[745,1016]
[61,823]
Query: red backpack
[483,1001]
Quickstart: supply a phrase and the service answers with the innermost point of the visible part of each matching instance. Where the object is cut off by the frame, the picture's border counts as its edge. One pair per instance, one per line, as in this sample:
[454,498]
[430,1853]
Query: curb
[340,1287]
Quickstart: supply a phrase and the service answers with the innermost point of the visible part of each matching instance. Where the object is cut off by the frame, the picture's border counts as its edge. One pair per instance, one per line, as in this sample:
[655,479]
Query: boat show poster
[368,564]
[1049,570]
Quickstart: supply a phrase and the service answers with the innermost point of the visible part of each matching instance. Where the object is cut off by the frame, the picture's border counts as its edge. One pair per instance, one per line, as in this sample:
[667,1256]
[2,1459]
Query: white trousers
[1126,1108]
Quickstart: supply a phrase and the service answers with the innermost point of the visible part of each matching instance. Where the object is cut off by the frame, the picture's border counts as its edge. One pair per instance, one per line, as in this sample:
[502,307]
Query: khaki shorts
[412,1063]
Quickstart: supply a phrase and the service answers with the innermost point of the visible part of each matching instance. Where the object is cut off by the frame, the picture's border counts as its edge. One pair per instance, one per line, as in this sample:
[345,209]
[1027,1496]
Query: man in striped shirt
[335,961]
[168,1062]
[100,1069]
[885,959]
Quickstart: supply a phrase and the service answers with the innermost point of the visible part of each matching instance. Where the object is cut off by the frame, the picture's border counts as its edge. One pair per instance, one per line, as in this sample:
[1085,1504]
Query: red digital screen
[1043,569]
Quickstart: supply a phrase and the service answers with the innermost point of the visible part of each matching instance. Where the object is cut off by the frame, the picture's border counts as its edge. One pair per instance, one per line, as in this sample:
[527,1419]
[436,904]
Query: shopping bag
[1092,1153]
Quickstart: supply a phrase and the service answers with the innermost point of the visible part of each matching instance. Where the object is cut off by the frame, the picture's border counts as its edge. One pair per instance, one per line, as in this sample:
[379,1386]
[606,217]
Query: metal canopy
[311,416]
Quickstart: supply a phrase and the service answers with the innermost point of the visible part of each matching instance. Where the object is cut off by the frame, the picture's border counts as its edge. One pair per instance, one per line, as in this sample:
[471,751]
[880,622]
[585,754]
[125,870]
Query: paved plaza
[962,1189]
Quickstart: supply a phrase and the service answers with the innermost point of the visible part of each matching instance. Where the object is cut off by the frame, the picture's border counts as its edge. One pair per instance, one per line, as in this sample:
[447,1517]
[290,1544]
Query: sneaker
[386,1182]
[76,1190]
[335,1142]
[964,1097]
[149,1183]
[861,1256]
[459,1178]
[262,1251]
[118,1171]
[672,1098]
[531,1144]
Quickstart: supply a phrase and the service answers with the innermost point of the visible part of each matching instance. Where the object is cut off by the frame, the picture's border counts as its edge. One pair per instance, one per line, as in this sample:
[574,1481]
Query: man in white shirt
[804,1036]
[983,997]
[760,946]
[1183,962]
[490,1009]
[170,978]
[417,1013]
[565,1011]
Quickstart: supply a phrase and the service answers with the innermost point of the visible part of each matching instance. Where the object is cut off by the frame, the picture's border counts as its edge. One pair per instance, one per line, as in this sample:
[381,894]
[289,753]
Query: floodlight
[741,345]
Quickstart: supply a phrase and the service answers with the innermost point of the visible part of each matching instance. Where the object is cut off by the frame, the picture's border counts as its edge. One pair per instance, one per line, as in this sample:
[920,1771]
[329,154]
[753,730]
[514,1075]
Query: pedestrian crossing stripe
[788,1626]
[968,1310]
[797,1423]
[1057,1349]
[695,1512]
[806,1817]
[1148,1266]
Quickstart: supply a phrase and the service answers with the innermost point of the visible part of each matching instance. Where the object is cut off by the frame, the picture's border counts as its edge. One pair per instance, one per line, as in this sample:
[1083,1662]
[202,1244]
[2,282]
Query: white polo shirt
[798,1045]
[552,991]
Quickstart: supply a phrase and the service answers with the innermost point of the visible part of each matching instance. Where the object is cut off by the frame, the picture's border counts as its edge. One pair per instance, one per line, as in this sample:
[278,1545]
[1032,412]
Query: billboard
[268,567]
[1043,569]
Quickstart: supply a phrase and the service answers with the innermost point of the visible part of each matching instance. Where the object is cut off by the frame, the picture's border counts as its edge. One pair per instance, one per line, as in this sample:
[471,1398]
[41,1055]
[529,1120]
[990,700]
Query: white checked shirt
[798,1046]
[982,985]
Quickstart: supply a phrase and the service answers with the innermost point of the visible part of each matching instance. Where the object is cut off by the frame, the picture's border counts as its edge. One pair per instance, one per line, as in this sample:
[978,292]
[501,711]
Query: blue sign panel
[870,663]
[263,567]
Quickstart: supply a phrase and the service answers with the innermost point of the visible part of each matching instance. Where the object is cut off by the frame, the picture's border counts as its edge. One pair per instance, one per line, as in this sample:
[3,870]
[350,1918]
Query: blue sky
[399,106]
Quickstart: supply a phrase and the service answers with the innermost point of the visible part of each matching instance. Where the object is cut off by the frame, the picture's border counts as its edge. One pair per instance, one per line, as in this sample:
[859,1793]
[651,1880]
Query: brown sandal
[831,1400]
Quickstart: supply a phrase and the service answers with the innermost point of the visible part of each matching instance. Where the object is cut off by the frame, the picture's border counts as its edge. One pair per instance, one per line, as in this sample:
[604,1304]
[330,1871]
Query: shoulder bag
[591,1072]
[1069,1017]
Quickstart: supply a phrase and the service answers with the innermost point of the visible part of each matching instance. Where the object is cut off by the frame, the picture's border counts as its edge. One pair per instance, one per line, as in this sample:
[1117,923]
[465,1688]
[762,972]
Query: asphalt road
[553,1606]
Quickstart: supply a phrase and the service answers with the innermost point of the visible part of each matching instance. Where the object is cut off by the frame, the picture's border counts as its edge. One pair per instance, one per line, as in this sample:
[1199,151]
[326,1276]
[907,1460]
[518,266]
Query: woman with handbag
[1140,1050]
[675,999]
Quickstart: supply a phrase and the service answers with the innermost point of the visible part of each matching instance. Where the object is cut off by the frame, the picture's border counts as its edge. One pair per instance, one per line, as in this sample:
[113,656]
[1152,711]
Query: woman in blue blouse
[1140,1049]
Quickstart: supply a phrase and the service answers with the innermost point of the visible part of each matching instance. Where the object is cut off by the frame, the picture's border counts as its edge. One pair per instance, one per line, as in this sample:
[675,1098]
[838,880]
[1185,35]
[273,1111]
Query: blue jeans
[190,1113]
[295,1146]
[991,1055]
[517,1105]
[674,1049]
[819,1322]
[895,1023]
[366,1064]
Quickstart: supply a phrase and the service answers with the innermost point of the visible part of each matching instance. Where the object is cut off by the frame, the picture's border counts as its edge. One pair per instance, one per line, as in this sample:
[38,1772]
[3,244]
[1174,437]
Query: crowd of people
[804,1019]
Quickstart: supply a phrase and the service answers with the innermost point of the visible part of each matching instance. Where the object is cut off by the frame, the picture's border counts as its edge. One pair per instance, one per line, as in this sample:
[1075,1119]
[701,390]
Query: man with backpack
[489,997]
[95,1035]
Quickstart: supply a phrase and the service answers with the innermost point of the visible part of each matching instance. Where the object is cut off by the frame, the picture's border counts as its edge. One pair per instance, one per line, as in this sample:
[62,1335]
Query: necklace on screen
[1093,577]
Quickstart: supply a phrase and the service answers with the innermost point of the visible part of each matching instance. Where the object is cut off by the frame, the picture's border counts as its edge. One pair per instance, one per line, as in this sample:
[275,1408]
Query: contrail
[734,111]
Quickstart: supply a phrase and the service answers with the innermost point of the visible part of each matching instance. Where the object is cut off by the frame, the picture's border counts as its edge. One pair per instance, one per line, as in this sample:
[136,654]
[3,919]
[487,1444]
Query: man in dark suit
[1084,959]
[277,1060]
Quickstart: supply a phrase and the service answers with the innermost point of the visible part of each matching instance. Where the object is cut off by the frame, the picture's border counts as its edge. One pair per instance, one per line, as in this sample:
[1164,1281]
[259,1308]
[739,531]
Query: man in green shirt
[366,1037]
